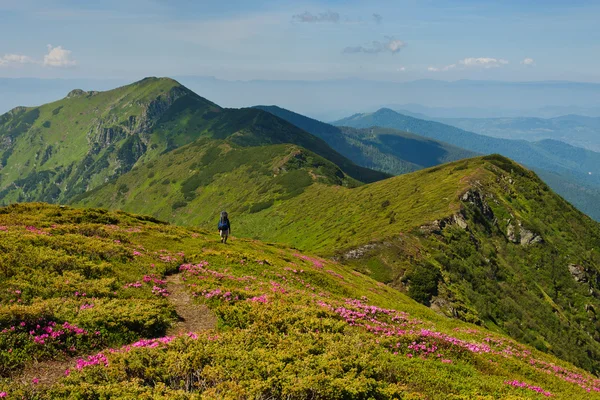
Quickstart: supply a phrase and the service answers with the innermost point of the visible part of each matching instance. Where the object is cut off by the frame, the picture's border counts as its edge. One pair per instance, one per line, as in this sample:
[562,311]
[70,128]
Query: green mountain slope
[386,150]
[63,149]
[577,165]
[483,240]
[194,183]
[91,305]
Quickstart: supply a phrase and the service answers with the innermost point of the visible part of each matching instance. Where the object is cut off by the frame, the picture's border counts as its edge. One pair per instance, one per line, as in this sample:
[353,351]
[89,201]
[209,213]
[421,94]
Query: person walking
[224,227]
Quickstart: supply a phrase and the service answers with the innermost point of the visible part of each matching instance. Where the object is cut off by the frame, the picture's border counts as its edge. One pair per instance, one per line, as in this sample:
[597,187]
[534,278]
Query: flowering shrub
[284,330]
[530,387]
[315,261]
[157,290]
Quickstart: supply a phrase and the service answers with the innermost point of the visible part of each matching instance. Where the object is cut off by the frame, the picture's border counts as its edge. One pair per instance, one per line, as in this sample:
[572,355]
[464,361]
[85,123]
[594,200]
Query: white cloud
[528,61]
[401,69]
[472,62]
[442,69]
[483,62]
[58,57]
[306,16]
[15,59]
[392,46]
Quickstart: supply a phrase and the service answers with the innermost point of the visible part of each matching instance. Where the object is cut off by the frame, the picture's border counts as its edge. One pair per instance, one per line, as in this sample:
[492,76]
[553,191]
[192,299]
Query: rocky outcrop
[108,130]
[511,233]
[578,273]
[443,306]
[520,235]
[357,253]
[434,226]
[475,198]
[460,221]
[76,93]
[528,237]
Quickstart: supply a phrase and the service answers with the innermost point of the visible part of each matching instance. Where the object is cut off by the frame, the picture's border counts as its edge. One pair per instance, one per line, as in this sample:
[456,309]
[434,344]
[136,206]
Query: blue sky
[265,39]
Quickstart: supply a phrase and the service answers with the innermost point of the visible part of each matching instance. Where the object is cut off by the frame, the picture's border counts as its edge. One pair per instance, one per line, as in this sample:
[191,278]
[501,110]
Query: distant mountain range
[441,113]
[576,130]
[329,100]
[389,150]
[570,165]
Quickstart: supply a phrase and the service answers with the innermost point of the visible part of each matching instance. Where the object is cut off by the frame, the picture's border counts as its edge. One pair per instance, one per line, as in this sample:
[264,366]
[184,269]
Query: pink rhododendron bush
[96,296]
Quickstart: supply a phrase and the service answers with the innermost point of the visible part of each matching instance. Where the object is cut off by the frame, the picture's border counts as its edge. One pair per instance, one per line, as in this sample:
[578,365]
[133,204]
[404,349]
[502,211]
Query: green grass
[292,346]
[481,277]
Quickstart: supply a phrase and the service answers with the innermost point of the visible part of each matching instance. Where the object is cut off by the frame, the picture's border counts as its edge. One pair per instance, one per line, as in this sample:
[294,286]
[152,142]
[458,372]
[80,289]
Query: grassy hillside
[92,312]
[60,150]
[483,240]
[386,150]
[575,164]
[193,184]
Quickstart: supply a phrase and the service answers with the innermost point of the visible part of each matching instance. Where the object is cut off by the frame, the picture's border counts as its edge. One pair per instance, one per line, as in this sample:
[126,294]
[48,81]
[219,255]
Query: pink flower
[3,394]
[537,389]
[259,299]
[35,381]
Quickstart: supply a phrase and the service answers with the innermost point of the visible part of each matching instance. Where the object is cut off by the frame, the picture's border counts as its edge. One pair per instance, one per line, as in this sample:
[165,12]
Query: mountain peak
[154,79]
[81,93]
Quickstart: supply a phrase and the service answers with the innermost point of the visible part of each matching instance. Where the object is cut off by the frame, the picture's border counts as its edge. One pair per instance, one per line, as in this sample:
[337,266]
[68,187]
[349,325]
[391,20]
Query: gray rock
[578,272]
[528,237]
[358,252]
[511,234]
[477,199]
[459,220]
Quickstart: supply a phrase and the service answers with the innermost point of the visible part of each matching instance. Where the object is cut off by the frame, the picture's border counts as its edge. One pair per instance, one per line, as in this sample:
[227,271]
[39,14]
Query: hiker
[224,227]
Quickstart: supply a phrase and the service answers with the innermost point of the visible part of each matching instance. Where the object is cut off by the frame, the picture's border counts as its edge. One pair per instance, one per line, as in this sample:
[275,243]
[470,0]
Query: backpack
[223,222]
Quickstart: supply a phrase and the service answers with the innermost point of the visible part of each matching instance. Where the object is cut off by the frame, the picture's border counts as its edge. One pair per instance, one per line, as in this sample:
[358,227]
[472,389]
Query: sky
[395,40]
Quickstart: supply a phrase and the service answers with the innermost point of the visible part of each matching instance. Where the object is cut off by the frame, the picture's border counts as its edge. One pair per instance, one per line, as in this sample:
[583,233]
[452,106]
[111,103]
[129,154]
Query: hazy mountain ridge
[571,163]
[577,130]
[332,99]
[386,150]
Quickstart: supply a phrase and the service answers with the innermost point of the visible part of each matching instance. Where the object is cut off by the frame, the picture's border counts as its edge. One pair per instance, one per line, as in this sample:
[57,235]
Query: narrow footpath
[192,318]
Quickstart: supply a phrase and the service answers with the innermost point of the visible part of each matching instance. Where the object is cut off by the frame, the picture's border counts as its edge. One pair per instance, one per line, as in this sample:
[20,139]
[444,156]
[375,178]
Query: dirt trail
[46,372]
[192,318]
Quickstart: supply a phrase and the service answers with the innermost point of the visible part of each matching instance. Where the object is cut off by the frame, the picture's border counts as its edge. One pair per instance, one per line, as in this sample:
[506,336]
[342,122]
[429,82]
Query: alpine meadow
[205,233]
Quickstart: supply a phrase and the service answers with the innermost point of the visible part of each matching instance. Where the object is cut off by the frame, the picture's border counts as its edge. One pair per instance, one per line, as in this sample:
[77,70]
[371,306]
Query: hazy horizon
[337,98]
